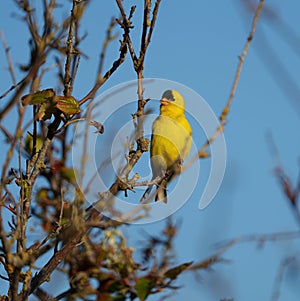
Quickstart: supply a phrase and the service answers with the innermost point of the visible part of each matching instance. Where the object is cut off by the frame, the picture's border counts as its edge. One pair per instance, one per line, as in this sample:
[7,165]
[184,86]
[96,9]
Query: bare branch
[152,24]
[223,117]
[47,270]
[279,278]
[146,22]
[9,60]
[127,26]
[260,239]
[109,38]
[70,50]
[101,80]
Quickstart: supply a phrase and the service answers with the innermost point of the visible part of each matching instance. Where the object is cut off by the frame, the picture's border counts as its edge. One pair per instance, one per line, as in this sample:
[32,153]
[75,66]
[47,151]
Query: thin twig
[152,24]
[84,157]
[126,25]
[223,117]
[291,193]
[70,50]
[101,80]
[279,278]
[10,151]
[50,266]
[261,239]
[11,89]
[278,70]
[9,60]
[109,38]
[146,21]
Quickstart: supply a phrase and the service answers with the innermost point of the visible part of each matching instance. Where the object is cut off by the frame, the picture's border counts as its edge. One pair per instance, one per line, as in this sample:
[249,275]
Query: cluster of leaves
[118,275]
[49,104]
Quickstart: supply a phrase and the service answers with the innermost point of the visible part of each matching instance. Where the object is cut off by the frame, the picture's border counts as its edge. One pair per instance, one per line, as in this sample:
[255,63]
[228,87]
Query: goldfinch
[170,141]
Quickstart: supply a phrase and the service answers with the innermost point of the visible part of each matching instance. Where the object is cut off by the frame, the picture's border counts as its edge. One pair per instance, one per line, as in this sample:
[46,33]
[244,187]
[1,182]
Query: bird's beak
[164,102]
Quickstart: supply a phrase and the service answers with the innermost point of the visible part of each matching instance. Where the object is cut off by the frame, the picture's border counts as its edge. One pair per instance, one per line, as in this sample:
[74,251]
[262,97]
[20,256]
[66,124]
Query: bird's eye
[168,95]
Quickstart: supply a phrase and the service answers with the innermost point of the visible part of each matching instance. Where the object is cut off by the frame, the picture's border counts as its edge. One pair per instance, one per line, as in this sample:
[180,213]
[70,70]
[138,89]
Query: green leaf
[67,104]
[174,272]
[38,97]
[143,288]
[45,111]
[28,144]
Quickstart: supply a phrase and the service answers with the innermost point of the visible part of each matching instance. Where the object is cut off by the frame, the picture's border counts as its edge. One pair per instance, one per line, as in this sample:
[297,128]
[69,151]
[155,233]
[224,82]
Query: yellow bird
[170,142]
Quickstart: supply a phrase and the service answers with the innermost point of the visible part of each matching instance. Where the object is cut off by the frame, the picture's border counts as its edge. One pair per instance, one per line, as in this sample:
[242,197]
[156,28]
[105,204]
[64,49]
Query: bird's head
[172,103]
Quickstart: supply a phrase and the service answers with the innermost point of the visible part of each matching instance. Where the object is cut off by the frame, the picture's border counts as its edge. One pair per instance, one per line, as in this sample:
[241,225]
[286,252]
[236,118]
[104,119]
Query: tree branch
[223,117]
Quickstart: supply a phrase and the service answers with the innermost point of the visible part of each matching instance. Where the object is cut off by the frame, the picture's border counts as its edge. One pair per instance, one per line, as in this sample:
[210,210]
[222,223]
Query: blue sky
[197,44]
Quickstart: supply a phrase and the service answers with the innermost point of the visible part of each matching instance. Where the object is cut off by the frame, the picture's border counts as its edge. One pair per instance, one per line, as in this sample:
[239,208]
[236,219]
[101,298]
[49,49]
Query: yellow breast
[171,140]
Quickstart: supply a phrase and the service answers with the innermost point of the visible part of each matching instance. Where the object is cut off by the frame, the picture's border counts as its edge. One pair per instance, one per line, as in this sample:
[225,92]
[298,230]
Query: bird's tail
[146,193]
[161,191]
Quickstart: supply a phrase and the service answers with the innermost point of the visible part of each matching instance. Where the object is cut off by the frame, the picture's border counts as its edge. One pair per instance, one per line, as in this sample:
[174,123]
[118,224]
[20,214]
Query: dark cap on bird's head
[168,95]
[172,99]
